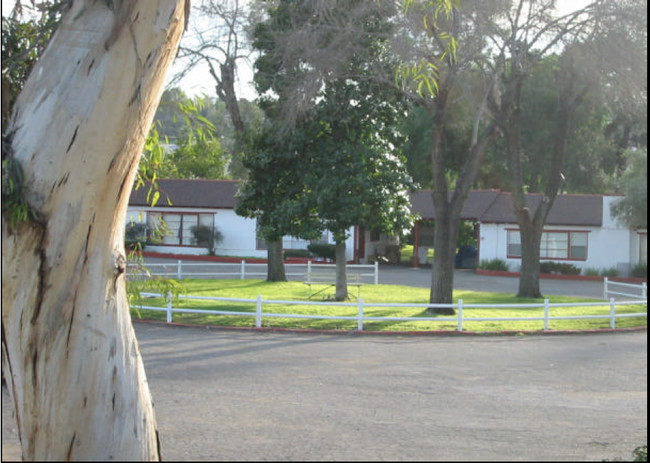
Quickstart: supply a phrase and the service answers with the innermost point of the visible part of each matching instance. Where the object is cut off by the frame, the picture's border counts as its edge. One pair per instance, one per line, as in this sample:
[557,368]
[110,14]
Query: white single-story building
[184,204]
[579,230]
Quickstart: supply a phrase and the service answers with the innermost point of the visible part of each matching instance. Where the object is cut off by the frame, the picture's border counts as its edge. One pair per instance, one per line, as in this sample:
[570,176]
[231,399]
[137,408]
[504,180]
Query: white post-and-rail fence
[361,305]
[243,269]
[631,290]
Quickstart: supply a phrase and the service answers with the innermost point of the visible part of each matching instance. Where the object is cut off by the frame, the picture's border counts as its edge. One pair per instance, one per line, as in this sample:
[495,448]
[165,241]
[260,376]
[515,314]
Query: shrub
[609,272]
[558,267]
[494,264]
[297,253]
[206,237]
[327,251]
[640,271]
[592,272]
[135,238]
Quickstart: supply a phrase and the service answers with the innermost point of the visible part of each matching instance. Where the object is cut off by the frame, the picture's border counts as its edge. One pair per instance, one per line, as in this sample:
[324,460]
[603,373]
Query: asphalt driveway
[244,395]
[247,395]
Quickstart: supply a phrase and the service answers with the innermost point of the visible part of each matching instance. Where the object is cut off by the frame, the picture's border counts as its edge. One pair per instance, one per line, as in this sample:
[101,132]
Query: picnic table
[328,279]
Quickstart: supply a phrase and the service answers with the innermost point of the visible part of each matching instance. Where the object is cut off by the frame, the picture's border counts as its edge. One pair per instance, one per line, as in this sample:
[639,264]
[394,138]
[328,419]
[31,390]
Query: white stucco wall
[611,245]
[239,239]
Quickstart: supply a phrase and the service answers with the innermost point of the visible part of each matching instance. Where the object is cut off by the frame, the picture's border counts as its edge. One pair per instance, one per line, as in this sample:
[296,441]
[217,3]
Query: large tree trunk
[448,207]
[341,275]
[275,262]
[70,357]
[531,224]
[445,236]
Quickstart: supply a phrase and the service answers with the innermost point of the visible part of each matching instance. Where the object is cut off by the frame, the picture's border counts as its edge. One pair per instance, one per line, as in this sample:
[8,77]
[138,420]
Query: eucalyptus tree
[69,157]
[445,65]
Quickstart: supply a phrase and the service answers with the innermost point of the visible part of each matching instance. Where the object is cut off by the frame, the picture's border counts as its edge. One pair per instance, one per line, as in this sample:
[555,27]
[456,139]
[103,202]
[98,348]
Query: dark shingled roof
[199,193]
[475,205]
[493,206]
[487,206]
[567,210]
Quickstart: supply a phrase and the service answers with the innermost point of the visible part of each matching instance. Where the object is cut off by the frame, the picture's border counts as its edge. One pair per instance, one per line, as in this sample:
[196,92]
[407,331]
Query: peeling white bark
[70,356]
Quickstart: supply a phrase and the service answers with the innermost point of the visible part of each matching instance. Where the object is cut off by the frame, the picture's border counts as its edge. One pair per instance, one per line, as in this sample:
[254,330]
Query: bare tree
[218,39]
[70,356]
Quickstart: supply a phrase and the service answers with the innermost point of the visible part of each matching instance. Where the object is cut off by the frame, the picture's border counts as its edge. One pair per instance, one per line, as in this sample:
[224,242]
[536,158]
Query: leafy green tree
[357,176]
[345,167]
[273,194]
[199,156]
[633,208]
[25,34]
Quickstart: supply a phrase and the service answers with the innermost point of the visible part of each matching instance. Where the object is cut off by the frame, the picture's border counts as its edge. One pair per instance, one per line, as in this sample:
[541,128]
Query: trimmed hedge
[559,267]
[327,251]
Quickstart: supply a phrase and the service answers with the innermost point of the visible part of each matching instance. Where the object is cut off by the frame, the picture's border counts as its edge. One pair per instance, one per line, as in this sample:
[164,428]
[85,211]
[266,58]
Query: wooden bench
[329,279]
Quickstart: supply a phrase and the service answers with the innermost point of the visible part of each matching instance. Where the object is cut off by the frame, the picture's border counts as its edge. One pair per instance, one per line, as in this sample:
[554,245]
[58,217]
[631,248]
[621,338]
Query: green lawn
[297,291]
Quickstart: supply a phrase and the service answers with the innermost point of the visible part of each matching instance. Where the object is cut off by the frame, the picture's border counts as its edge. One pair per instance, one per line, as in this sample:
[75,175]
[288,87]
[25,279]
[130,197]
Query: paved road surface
[242,395]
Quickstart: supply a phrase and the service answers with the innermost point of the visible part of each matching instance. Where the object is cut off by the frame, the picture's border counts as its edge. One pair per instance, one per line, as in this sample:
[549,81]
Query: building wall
[239,237]
[610,246]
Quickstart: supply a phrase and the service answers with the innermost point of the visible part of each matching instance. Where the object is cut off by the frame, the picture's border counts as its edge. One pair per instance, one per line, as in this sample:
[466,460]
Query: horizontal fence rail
[360,317]
[631,290]
[243,270]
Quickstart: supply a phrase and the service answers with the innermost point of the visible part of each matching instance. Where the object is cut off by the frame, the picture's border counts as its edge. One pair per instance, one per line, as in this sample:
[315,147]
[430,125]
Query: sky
[199,81]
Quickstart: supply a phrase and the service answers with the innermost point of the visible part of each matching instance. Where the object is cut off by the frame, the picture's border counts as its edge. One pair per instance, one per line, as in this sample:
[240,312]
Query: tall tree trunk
[529,272]
[531,224]
[70,356]
[341,275]
[275,262]
[445,236]
[448,207]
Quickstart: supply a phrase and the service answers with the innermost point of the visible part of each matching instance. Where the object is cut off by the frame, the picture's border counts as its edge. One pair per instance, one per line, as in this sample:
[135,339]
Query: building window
[175,229]
[570,245]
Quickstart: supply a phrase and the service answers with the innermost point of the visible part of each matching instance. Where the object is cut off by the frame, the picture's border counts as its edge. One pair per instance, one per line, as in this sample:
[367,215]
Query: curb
[552,276]
[438,333]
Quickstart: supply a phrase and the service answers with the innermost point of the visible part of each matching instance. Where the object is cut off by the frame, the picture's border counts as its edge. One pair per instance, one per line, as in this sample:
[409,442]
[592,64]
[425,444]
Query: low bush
[592,272]
[327,251]
[206,237]
[135,238]
[494,264]
[639,271]
[609,272]
[558,267]
[297,253]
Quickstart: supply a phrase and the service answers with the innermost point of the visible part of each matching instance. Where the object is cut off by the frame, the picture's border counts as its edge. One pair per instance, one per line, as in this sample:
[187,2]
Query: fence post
[360,316]
[376,272]
[545,314]
[258,312]
[242,272]
[309,267]
[179,269]
[605,292]
[169,306]
[612,313]
[460,315]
